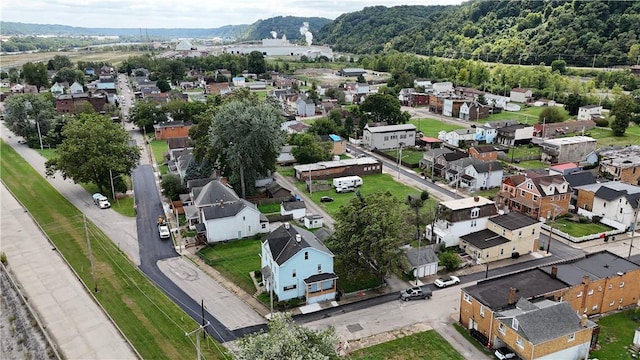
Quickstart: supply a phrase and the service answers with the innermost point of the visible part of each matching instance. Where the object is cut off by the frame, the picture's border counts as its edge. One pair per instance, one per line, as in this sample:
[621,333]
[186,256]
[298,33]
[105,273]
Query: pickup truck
[101,201]
[415,293]
[163,228]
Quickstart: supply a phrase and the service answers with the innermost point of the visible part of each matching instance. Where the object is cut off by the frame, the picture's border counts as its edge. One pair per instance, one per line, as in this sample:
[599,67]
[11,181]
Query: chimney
[476,198]
[512,295]
[298,238]
[554,272]
[286,225]
[585,280]
[583,320]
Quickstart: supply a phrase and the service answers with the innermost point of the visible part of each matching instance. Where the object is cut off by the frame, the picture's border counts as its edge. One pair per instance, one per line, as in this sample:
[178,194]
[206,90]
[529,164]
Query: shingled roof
[283,244]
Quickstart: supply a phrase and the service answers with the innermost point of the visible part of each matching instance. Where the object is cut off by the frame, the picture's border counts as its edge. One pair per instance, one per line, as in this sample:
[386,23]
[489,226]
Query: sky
[180,14]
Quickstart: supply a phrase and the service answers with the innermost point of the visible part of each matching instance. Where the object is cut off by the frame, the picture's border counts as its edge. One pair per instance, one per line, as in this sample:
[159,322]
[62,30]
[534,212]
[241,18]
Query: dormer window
[529,186]
[475,212]
[514,324]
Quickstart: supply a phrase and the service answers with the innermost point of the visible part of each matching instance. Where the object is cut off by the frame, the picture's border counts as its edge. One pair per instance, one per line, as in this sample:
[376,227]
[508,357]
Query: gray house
[475,174]
[574,149]
[389,136]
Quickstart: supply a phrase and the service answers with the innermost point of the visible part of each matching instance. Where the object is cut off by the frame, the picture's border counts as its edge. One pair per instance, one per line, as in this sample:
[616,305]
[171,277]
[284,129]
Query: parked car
[326,199]
[415,293]
[504,353]
[443,283]
[101,201]
[344,189]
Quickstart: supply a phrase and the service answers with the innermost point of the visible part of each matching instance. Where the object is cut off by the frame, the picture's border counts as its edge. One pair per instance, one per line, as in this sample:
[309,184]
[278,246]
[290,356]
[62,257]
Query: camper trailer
[347,181]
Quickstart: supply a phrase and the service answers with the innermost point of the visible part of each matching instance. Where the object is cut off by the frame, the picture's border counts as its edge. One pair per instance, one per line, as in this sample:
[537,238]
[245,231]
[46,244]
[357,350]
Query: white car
[163,229]
[101,201]
[504,353]
[443,283]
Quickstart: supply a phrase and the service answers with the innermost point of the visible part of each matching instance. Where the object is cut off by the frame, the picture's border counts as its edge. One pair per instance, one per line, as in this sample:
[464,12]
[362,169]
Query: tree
[622,113]
[36,74]
[94,148]
[309,149]
[25,112]
[145,115]
[287,340]
[559,66]
[247,136]
[335,93]
[482,100]
[58,62]
[172,186]
[370,231]
[256,63]
[163,85]
[450,260]
[323,126]
[384,107]
[573,103]
[69,75]
[551,114]
[416,203]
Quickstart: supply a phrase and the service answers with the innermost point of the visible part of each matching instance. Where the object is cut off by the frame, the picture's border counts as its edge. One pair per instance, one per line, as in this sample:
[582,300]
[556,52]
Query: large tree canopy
[370,230]
[287,340]
[24,112]
[309,149]
[622,112]
[93,146]
[384,107]
[247,136]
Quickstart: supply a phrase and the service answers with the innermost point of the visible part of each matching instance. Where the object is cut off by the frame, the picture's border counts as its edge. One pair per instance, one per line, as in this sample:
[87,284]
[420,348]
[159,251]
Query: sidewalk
[77,325]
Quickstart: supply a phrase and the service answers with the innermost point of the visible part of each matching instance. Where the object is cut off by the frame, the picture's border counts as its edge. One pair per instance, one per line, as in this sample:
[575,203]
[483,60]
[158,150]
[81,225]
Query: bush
[596,219]
[584,220]
[450,260]
[602,122]
[3,258]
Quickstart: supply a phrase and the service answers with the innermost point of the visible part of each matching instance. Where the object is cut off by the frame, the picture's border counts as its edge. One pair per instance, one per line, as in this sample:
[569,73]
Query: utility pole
[93,269]
[201,328]
[310,184]
[113,191]
[553,220]
[635,225]
[399,159]
[39,135]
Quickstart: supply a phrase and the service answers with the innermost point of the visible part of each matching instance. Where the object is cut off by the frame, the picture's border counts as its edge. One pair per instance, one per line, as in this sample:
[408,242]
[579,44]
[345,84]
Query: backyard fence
[395,159]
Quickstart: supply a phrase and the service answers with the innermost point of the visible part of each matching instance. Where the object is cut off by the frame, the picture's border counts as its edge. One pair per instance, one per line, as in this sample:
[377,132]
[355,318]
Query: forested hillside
[288,25]
[583,33]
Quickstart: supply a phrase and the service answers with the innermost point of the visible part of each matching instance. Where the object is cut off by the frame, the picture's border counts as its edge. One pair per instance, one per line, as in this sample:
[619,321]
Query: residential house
[445,87]
[305,107]
[546,196]
[576,180]
[622,164]
[436,103]
[296,264]
[488,131]
[467,92]
[76,88]
[473,111]
[451,107]
[428,142]
[457,137]
[182,162]
[389,136]
[513,135]
[443,160]
[562,128]
[218,88]
[481,175]
[176,144]
[614,200]
[339,168]
[338,144]
[57,89]
[521,95]
[256,85]
[89,71]
[225,215]
[459,217]
[172,129]
[418,99]
[599,283]
[275,190]
[569,149]
[544,330]
[423,262]
[297,209]
[352,72]
[238,81]
[589,112]
[483,152]
[68,103]
[429,157]
[508,235]
[313,221]
[564,168]
[496,101]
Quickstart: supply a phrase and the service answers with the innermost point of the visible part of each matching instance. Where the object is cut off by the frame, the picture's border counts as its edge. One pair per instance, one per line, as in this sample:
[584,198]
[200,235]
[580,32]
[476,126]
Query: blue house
[296,264]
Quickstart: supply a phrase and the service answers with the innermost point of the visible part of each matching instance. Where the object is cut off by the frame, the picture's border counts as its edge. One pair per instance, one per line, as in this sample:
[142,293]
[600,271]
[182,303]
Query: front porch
[321,287]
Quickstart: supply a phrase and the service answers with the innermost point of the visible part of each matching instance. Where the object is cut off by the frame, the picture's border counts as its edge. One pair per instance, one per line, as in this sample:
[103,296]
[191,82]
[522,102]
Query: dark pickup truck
[415,293]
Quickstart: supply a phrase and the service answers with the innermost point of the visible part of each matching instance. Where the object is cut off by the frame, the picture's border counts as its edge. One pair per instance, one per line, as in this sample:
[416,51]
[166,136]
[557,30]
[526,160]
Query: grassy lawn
[605,136]
[532,164]
[431,127]
[523,151]
[424,345]
[371,183]
[47,153]
[159,148]
[465,333]
[269,208]
[577,229]
[150,320]
[489,193]
[527,115]
[616,334]
[409,156]
[286,171]
[234,260]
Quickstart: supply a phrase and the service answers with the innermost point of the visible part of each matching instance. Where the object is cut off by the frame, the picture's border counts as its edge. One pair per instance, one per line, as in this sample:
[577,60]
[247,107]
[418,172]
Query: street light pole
[633,234]
[399,158]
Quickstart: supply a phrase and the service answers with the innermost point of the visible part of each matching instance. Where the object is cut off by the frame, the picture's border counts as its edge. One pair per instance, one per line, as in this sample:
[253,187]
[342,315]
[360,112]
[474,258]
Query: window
[473,223]
[504,232]
[600,288]
[613,302]
[594,307]
[487,253]
[293,273]
[467,298]
[520,342]
[564,196]
[557,197]
[535,197]
[622,284]
[514,323]
[520,233]
[403,136]
[551,199]
[482,310]
[502,329]
[319,267]
[386,138]
[533,231]
[571,337]
[590,292]
[610,286]
[501,251]
[529,186]
[604,205]
[522,193]
[306,255]
[579,294]
[290,287]
[475,212]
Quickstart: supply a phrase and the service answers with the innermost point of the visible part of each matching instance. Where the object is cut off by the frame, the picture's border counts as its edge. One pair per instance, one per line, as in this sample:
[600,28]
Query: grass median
[424,345]
[150,320]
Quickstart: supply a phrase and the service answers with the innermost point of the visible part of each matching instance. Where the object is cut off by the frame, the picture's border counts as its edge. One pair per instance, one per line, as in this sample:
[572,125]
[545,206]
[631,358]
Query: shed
[423,261]
[313,221]
[297,209]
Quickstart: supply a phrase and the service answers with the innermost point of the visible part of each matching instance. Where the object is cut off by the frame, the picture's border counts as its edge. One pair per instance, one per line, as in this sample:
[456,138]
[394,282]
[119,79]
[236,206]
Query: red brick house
[172,129]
